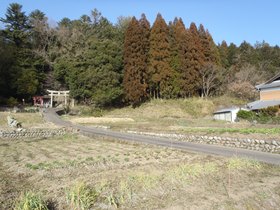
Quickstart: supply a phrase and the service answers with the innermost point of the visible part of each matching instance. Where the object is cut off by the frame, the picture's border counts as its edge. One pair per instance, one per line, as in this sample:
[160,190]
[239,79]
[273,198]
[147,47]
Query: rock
[267,146]
[274,143]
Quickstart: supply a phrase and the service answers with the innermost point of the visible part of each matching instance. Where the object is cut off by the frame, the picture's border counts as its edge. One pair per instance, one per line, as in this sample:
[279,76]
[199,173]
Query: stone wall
[252,144]
[32,133]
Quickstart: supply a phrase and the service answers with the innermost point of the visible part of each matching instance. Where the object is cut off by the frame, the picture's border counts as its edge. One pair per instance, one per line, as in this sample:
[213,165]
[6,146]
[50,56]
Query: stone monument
[13,123]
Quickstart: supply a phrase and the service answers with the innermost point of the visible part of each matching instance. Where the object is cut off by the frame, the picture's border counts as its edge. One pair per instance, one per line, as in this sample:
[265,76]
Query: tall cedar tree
[134,64]
[159,69]
[181,38]
[174,60]
[210,50]
[210,71]
[145,43]
[194,62]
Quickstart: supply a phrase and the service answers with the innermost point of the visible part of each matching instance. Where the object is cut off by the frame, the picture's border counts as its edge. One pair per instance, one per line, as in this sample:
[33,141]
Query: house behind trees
[269,94]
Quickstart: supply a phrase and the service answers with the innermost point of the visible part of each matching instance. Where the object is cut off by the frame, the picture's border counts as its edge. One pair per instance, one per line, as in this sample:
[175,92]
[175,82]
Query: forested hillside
[129,62]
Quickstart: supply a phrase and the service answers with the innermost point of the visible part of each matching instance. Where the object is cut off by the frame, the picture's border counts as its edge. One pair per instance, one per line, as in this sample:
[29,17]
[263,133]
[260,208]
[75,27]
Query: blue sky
[230,20]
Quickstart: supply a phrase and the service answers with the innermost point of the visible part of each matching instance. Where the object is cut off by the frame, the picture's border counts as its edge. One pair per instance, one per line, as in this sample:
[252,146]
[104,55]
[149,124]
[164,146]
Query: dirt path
[51,116]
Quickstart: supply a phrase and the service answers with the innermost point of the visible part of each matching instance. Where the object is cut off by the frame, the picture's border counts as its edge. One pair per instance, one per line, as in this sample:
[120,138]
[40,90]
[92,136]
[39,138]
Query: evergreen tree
[85,19]
[145,45]
[232,54]
[159,68]
[26,69]
[16,25]
[210,50]
[7,61]
[65,22]
[174,51]
[178,43]
[90,64]
[134,64]
[223,51]
[195,61]
[174,60]
[248,53]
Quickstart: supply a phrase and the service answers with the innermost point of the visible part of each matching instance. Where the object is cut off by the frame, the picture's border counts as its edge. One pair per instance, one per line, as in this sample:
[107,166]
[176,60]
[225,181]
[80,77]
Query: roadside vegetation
[100,173]
[268,115]
[234,130]
[189,108]
[187,116]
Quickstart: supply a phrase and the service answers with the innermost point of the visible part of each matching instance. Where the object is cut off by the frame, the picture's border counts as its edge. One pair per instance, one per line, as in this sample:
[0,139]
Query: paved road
[51,116]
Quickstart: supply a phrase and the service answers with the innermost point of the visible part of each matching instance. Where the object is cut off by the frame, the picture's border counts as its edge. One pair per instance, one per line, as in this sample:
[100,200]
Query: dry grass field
[28,120]
[76,172]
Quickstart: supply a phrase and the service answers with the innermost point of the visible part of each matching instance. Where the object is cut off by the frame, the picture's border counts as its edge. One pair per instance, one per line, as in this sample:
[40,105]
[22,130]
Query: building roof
[271,83]
[262,104]
[226,110]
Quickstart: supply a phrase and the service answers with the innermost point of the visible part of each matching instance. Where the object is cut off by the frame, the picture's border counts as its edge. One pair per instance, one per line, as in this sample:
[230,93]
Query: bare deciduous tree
[43,37]
[210,78]
[244,82]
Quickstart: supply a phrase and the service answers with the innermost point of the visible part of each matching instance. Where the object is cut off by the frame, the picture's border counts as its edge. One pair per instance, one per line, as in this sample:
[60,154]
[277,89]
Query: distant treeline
[107,64]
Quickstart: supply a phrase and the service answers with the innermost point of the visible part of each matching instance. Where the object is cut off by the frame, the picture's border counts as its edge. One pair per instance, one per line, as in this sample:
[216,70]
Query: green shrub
[31,201]
[12,101]
[92,111]
[246,115]
[265,116]
[276,120]
[97,112]
[270,111]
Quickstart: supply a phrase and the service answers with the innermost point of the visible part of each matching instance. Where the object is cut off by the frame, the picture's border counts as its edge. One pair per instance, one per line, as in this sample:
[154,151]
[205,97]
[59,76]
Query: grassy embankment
[189,116]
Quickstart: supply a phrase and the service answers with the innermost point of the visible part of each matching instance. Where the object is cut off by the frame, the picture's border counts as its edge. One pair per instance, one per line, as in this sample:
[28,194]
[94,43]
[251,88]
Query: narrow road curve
[52,116]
